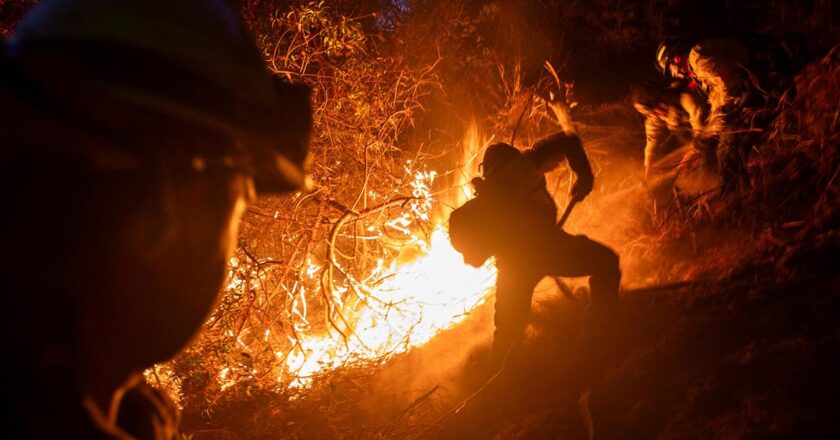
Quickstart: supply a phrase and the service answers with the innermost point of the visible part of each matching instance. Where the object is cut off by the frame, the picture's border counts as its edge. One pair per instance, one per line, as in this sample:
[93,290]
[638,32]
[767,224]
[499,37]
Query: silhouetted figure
[132,134]
[513,218]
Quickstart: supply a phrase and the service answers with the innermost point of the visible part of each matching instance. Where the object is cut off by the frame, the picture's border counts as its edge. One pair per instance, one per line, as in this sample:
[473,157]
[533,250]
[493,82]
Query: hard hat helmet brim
[193,63]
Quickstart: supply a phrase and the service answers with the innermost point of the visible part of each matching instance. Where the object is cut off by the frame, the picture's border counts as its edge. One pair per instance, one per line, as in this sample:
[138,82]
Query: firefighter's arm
[696,110]
[547,153]
[655,134]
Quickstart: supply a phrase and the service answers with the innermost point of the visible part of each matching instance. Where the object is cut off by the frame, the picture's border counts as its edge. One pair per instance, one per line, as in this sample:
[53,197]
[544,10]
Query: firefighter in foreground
[133,134]
[513,217]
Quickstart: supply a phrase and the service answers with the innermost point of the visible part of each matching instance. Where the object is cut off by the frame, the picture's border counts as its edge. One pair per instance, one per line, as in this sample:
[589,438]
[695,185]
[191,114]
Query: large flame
[416,299]
[412,305]
[424,288]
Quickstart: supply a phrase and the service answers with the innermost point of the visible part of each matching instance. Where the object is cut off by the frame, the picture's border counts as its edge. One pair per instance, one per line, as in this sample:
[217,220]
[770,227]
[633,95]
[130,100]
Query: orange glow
[416,300]
[418,288]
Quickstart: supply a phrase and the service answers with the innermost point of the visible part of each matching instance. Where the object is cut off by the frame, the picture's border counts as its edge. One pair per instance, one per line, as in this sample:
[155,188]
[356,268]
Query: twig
[667,287]
[417,402]
[525,109]
[457,408]
[327,273]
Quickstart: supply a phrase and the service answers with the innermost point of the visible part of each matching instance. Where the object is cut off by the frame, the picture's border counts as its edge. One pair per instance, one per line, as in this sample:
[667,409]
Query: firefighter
[525,239]
[716,67]
[133,135]
[670,111]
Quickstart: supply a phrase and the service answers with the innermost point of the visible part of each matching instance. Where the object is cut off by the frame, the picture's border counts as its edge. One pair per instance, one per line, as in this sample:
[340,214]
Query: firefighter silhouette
[513,217]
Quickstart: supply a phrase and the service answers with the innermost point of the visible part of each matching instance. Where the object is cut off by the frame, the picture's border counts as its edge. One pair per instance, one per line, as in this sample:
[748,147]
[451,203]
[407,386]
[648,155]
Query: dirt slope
[745,357]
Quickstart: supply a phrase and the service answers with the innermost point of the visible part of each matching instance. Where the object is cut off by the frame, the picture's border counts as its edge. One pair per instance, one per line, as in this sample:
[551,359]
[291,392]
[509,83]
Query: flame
[415,300]
[414,303]
[423,288]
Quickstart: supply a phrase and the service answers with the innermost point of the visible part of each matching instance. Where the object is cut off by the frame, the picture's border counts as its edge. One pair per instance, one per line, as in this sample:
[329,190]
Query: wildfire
[417,289]
[412,301]
[415,302]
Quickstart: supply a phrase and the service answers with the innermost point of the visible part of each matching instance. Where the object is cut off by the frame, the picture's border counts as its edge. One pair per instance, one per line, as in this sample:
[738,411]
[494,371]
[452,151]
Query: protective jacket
[670,113]
[718,65]
[513,210]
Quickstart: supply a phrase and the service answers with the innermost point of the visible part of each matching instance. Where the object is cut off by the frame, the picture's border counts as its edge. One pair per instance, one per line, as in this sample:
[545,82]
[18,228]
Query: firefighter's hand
[582,187]
[478,184]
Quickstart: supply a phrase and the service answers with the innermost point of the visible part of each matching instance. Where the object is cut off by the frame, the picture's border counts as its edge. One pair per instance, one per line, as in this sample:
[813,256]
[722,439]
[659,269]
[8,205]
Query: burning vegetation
[331,291]
[347,313]
[360,269]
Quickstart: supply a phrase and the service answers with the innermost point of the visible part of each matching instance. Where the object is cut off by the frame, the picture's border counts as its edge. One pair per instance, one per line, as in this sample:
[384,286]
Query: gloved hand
[582,187]
[478,184]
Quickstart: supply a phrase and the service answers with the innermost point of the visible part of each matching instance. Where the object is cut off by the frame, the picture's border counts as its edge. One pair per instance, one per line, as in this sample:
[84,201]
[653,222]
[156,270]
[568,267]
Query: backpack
[472,232]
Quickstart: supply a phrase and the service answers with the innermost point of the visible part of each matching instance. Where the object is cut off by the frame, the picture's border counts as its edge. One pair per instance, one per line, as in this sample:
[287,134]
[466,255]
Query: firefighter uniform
[718,66]
[670,113]
[527,243]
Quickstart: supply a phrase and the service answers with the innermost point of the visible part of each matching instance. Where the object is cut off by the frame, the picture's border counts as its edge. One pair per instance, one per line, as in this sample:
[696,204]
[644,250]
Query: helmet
[189,62]
[496,156]
[668,48]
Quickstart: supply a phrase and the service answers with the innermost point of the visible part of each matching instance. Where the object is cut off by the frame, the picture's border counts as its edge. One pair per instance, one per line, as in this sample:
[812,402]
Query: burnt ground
[751,355]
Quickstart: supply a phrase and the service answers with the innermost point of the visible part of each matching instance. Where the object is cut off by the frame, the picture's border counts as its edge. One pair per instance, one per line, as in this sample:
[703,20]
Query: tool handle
[567,212]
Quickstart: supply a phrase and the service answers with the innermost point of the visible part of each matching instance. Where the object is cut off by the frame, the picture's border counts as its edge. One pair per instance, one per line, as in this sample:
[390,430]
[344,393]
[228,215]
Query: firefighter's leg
[514,288]
[578,255]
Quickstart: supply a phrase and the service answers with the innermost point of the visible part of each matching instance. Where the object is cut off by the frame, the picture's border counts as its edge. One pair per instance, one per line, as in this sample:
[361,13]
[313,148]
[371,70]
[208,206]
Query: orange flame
[414,303]
[416,300]
[400,305]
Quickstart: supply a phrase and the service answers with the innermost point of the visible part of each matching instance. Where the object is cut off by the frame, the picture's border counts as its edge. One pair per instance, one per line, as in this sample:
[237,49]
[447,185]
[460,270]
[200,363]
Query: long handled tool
[567,212]
[564,288]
